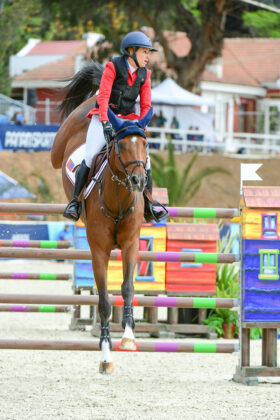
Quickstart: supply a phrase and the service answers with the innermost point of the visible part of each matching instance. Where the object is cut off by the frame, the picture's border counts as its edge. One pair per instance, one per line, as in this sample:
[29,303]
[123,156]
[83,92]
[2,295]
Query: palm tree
[181,187]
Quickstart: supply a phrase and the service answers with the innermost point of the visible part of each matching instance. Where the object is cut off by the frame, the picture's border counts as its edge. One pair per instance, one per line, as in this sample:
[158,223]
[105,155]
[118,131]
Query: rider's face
[143,56]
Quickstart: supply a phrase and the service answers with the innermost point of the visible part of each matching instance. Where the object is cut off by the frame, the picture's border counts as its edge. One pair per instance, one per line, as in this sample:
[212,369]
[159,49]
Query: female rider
[123,79]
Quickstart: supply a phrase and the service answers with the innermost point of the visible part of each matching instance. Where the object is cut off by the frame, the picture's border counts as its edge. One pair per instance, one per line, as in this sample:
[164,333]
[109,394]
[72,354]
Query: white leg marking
[105,352]
[128,332]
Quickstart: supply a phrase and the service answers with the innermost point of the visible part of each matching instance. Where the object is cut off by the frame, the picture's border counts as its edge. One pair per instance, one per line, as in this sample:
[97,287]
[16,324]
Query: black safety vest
[123,97]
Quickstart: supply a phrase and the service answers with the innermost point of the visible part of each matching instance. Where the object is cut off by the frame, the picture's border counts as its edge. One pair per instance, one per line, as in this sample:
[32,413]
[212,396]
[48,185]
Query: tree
[265,24]
[19,21]
[204,23]
[181,186]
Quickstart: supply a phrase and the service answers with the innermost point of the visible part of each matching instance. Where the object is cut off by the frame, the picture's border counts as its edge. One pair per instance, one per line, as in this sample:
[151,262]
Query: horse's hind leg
[129,257]
[100,264]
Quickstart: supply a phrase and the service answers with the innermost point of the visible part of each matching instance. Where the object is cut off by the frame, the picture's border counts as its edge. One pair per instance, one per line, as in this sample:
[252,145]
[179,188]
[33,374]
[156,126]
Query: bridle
[126,182]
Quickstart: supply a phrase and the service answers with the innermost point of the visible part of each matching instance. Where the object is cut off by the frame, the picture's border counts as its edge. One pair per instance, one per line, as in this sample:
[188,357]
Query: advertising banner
[27,137]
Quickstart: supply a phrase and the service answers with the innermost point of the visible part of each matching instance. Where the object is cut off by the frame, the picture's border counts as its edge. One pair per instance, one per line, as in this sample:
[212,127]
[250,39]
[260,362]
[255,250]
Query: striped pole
[141,346]
[34,244]
[147,301]
[81,254]
[207,213]
[34,308]
[37,208]
[35,276]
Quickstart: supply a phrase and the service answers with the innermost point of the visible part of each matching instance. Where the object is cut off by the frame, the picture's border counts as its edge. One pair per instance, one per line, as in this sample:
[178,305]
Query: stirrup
[75,212]
[153,214]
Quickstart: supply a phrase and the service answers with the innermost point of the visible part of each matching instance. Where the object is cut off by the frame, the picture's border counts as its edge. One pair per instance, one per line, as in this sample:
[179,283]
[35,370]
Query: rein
[127,183]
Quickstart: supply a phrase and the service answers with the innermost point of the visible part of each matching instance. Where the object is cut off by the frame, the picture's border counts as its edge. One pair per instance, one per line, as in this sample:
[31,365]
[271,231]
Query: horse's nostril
[135,179]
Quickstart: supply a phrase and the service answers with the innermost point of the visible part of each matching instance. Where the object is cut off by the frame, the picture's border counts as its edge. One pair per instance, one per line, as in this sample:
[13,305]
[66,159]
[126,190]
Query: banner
[27,137]
[24,232]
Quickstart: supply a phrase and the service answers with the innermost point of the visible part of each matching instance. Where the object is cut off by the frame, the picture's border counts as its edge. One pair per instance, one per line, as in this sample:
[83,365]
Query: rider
[124,78]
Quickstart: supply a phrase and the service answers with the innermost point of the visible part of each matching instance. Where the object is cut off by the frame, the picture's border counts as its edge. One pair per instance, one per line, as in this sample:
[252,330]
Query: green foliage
[255,333]
[181,186]
[266,24]
[68,19]
[215,323]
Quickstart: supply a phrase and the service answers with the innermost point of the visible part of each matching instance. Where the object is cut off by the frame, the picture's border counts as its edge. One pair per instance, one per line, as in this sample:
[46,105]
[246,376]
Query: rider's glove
[108,131]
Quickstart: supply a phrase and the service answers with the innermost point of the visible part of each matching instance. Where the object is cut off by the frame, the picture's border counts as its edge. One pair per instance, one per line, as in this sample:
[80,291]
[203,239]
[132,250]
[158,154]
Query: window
[184,264]
[269,226]
[268,264]
[144,269]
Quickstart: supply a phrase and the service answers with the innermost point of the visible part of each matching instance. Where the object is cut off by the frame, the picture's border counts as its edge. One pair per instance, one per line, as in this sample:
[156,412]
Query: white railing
[241,143]
[183,140]
[9,106]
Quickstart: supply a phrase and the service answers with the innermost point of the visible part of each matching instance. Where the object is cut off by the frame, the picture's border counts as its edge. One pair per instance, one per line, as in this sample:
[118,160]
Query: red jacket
[105,89]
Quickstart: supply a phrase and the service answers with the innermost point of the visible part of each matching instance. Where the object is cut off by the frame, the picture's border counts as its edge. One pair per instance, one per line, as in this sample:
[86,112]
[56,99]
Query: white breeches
[95,141]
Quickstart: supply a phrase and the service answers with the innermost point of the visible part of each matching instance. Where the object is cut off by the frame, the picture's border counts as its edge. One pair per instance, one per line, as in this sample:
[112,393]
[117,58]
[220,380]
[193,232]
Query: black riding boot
[73,209]
[150,212]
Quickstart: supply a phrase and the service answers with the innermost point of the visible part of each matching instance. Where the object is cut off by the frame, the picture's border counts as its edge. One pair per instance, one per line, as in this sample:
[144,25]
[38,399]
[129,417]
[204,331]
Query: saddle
[97,162]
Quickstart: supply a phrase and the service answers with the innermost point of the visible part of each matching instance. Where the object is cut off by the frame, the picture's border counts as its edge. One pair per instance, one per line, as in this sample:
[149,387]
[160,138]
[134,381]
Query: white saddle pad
[73,163]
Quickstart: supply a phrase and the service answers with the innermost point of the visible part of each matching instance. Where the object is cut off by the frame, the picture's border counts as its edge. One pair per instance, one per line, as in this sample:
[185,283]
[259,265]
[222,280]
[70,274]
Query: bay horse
[114,211]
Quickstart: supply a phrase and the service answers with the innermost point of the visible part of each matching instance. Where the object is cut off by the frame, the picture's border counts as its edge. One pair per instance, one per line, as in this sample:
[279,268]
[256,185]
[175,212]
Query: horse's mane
[80,87]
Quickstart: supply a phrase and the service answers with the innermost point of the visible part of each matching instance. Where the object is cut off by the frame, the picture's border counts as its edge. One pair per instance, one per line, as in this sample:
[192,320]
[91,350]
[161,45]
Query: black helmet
[135,39]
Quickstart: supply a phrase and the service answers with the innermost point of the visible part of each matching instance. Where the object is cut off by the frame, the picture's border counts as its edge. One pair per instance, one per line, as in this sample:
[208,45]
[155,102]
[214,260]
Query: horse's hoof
[128,344]
[106,367]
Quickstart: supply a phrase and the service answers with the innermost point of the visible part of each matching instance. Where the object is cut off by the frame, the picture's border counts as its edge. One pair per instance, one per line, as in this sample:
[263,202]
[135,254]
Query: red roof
[60,69]
[248,61]
[57,47]
[262,197]
[245,61]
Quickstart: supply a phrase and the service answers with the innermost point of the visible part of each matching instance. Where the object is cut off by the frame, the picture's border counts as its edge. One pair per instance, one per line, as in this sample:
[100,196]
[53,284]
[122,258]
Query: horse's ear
[114,120]
[146,119]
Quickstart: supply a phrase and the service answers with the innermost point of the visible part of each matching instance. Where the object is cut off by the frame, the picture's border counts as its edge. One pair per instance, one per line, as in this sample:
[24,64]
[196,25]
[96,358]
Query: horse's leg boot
[73,209]
[150,211]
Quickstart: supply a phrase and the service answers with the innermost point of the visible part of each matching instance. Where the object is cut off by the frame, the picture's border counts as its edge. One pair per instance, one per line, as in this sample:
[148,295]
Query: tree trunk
[206,38]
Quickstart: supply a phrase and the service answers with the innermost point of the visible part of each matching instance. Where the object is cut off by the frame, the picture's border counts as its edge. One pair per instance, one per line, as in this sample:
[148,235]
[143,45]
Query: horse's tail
[80,87]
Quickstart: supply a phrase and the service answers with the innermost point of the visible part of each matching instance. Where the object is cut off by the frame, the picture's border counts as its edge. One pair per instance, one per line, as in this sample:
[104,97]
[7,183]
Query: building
[244,82]
[40,70]
[260,254]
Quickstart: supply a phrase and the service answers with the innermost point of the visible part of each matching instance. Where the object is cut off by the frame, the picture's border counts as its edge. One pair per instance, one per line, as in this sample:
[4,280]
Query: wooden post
[117,313]
[172,316]
[269,347]
[245,350]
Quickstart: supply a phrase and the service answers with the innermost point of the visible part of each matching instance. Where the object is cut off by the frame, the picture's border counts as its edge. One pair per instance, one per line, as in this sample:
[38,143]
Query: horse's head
[130,148]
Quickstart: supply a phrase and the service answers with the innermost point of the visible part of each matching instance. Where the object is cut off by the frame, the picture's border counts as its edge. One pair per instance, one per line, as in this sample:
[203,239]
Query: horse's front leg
[100,265]
[129,258]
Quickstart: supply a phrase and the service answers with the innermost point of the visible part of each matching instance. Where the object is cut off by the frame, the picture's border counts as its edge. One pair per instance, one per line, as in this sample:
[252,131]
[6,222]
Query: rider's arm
[145,95]
[105,89]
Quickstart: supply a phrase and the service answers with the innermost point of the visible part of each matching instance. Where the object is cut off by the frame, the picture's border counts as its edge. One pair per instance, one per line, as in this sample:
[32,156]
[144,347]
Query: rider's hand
[108,131]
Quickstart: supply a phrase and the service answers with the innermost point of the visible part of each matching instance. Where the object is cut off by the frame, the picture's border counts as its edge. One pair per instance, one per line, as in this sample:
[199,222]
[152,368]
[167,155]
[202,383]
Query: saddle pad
[73,163]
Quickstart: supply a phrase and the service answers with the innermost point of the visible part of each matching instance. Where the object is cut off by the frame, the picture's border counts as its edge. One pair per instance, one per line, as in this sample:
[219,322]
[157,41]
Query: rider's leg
[73,208]
[95,141]
[150,212]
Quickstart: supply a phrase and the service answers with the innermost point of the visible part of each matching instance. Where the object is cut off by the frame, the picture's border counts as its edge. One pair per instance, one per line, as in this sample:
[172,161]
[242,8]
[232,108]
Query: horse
[114,210]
